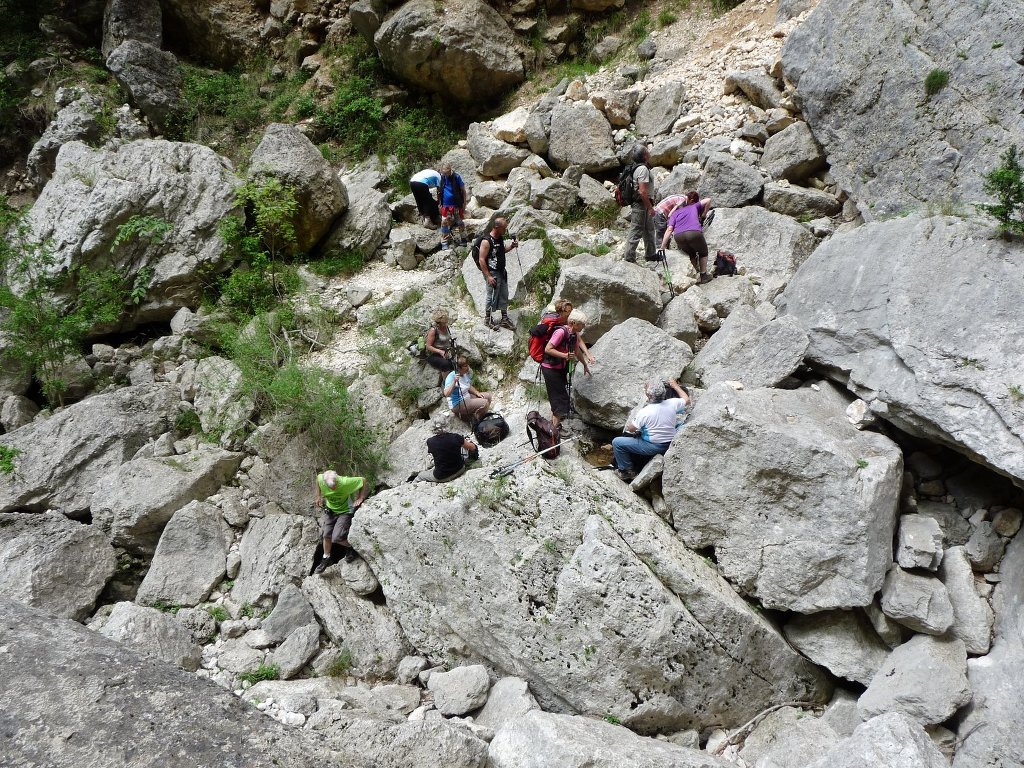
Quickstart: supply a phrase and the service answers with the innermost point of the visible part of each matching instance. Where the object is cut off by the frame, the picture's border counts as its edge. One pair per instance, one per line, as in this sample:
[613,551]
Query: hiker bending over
[420,185]
[447,450]
[661,213]
[452,196]
[339,498]
[686,223]
[492,264]
[465,400]
[440,343]
[562,349]
[652,430]
[641,214]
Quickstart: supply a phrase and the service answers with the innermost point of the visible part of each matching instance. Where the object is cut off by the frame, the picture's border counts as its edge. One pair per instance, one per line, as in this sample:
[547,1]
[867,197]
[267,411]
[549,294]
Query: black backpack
[543,434]
[491,429]
[725,264]
[474,252]
[625,191]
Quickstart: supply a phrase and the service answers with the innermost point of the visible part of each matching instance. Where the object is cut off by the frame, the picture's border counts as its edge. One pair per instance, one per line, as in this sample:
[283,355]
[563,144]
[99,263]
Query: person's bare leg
[327,547]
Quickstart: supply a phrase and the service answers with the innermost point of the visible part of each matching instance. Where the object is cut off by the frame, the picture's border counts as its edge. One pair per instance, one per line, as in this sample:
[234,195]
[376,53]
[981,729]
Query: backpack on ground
[625,189]
[540,334]
[490,430]
[543,434]
[725,264]
[474,252]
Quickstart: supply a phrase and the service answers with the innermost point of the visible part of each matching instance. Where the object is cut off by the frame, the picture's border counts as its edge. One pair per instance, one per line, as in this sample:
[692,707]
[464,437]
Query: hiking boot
[445,246]
[631,261]
[625,475]
[705,278]
[322,566]
[351,556]
[506,322]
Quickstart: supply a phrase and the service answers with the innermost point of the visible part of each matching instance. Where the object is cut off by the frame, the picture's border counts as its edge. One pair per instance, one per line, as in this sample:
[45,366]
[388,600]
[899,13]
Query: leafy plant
[261,673]
[1015,392]
[218,612]
[667,17]
[862,463]
[249,611]
[612,719]
[934,82]
[1006,184]
[341,263]
[7,457]
[637,30]
[150,229]
[163,605]
[341,665]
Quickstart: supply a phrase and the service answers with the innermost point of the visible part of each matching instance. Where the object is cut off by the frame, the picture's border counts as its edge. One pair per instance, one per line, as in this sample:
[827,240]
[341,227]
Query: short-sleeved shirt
[670,202]
[446,448]
[430,177]
[495,254]
[641,175]
[656,422]
[453,191]
[337,499]
[686,218]
[461,391]
[563,340]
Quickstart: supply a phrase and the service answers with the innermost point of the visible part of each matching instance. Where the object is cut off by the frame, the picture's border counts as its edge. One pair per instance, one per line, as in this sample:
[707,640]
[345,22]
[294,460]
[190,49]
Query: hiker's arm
[645,195]
[449,387]
[586,351]
[485,250]
[631,428]
[318,498]
[431,338]
[361,496]
[666,238]
[582,358]
[679,391]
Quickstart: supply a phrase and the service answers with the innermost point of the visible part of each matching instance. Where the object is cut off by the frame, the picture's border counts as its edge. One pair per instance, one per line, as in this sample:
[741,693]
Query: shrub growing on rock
[1006,184]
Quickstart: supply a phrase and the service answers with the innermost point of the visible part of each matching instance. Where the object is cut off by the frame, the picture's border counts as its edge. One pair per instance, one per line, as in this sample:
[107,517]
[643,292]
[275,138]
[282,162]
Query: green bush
[342,665]
[218,612]
[261,673]
[341,263]
[1006,184]
[667,17]
[7,457]
[935,81]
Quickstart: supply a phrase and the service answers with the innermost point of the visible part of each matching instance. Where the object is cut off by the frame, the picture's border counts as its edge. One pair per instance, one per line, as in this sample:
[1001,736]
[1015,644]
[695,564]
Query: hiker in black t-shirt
[446,449]
[492,264]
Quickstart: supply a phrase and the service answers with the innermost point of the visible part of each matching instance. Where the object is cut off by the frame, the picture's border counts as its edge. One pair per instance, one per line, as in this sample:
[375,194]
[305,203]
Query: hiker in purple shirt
[686,224]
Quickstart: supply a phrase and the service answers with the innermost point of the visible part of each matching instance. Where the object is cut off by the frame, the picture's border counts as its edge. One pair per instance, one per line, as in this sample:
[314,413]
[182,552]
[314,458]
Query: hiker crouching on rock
[653,428]
[465,400]
[420,186]
[492,264]
[339,498]
[686,223]
[563,348]
[447,448]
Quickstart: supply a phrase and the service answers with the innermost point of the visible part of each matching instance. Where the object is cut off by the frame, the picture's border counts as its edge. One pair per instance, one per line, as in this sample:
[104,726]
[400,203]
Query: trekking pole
[668,272]
[510,468]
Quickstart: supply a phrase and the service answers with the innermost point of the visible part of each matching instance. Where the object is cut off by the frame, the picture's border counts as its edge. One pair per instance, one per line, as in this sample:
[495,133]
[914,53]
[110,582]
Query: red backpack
[540,334]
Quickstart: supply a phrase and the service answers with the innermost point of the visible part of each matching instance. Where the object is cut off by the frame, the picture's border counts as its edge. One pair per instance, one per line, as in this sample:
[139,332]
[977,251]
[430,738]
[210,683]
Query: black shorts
[556,381]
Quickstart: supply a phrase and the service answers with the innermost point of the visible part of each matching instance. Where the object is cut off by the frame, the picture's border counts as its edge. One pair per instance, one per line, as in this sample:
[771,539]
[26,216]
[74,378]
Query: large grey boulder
[363,227]
[891,146]
[800,202]
[76,121]
[16,411]
[748,349]
[547,740]
[296,651]
[678,321]
[153,633]
[225,31]
[519,264]
[729,182]
[628,356]
[924,679]
[109,695]
[843,642]
[366,17]
[905,335]
[553,195]
[508,699]
[136,500]
[131,20]
[769,245]
[609,291]
[291,610]
[493,156]
[63,458]
[916,601]
[788,738]
[793,154]
[54,564]
[581,135]
[460,690]
[94,191]
[465,53]
[286,154]
[277,550]
[804,518]
[150,77]
[989,723]
[660,109]
[893,740]
[579,582]
[189,559]
[223,406]
[972,614]
[757,85]
[919,543]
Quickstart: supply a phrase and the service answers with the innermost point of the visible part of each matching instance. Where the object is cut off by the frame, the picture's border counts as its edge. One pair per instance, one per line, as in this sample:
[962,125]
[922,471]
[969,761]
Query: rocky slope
[825,568]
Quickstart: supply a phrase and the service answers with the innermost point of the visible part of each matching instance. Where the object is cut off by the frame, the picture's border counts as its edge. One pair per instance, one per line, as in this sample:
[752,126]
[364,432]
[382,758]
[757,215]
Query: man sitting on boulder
[447,448]
[339,498]
[652,430]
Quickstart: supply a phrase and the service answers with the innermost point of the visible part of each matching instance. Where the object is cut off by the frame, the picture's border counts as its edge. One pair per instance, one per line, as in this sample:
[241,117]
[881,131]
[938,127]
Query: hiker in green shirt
[339,497]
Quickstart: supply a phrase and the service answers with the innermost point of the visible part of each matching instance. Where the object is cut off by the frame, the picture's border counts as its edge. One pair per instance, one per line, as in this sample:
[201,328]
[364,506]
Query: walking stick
[508,469]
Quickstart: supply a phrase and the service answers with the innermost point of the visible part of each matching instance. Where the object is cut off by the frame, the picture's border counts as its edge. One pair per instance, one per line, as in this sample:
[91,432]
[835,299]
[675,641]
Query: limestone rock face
[64,457]
[52,563]
[226,31]
[660,109]
[799,201]
[793,153]
[131,20]
[109,695]
[609,292]
[286,154]
[890,143]
[94,191]
[364,226]
[628,356]
[841,641]
[460,690]
[75,122]
[730,183]
[805,516]
[220,402]
[757,86]
[904,335]
[570,596]
[508,699]
[153,633]
[547,740]
[581,135]
[151,78]
[919,544]
[464,52]
[893,740]
[189,559]
[972,614]
[788,738]
[276,551]
[494,156]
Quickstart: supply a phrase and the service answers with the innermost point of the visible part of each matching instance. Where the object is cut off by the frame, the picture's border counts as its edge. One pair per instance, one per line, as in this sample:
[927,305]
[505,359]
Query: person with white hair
[563,348]
[339,498]
[451,453]
[652,429]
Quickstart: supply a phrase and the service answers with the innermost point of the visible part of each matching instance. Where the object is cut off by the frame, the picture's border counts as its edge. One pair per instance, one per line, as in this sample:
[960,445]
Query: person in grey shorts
[339,498]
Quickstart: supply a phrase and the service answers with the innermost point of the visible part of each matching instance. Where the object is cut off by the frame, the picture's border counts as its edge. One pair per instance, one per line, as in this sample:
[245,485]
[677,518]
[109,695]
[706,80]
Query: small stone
[1007,521]
[985,548]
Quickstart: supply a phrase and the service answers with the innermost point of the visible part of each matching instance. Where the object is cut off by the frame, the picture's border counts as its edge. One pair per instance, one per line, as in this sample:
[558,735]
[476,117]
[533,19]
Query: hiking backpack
[725,264]
[543,434]
[490,430]
[474,252]
[625,191]
[540,334]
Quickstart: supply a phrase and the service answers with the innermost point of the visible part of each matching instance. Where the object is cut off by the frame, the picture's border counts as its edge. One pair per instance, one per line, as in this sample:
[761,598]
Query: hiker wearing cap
[452,197]
[686,223]
[447,449]
[465,400]
[651,431]
[440,343]
[420,185]
[492,264]
[562,348]
[339,497]
[641,214]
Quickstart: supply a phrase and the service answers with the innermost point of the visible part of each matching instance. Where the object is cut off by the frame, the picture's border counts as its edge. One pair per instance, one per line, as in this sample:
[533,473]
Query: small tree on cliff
[1006,184]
